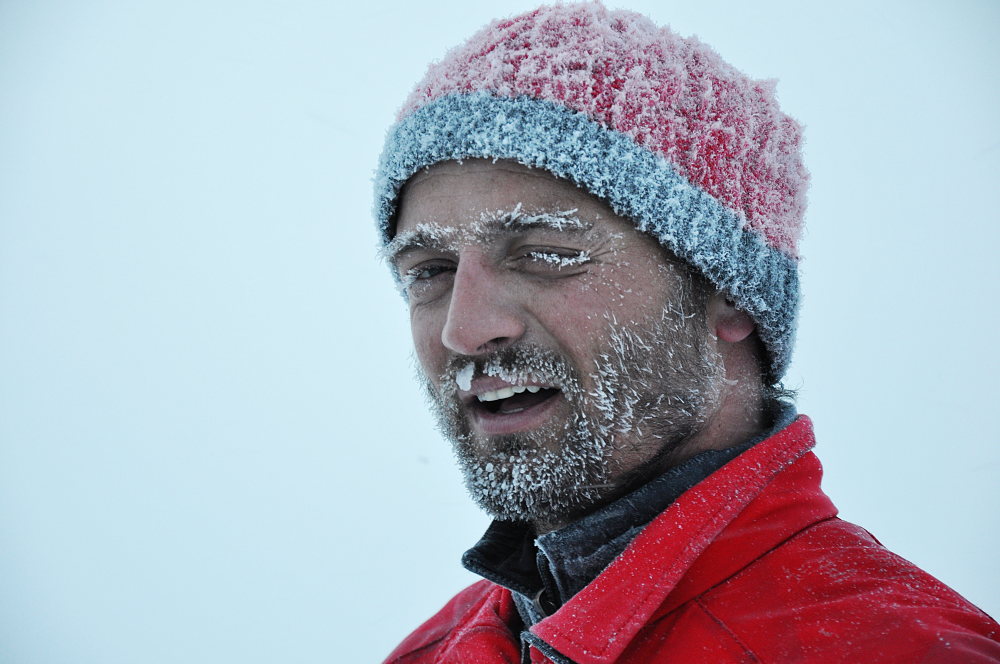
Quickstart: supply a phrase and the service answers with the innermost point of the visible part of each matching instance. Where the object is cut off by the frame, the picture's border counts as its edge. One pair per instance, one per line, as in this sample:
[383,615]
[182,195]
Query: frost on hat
[657,125]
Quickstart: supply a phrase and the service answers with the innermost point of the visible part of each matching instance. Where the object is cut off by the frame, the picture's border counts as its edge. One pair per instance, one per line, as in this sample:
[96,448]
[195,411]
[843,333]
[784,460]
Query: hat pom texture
[657,125]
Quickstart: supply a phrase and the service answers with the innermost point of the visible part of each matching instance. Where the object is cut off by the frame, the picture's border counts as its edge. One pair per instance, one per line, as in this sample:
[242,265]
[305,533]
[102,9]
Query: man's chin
[547,510]
[519,477]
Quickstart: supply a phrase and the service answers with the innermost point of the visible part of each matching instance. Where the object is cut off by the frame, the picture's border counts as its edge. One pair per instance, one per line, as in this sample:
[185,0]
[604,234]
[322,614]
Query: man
[595,225]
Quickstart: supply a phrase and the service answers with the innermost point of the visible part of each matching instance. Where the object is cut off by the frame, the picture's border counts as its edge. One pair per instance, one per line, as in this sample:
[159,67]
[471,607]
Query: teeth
[507,392]
[502,393]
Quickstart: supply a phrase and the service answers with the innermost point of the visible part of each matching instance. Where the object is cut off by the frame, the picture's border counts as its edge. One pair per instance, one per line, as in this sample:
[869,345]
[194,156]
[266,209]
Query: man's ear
[726,321]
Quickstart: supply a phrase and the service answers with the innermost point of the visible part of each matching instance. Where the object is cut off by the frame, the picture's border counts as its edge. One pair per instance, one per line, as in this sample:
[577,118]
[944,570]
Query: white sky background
[211,445]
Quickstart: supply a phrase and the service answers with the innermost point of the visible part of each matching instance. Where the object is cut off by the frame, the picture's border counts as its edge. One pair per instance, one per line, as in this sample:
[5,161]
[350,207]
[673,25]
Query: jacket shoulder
[479,607]
[833,591]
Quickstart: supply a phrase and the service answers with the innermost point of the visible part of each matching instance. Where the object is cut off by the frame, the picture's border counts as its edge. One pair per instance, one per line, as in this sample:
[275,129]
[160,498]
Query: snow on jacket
[751,565]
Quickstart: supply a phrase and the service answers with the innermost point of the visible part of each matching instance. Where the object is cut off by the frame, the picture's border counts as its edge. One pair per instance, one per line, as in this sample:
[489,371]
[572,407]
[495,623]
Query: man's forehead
[469,191]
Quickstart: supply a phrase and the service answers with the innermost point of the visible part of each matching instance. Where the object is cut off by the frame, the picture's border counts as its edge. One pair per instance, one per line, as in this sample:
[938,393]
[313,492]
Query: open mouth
[514,399]
[498,405]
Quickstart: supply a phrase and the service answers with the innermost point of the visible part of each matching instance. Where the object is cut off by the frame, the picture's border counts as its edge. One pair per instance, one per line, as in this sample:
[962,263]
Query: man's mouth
[496,407]
[513,399]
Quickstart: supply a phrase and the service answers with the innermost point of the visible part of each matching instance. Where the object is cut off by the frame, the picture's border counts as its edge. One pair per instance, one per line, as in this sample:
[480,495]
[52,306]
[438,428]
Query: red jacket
[751,565]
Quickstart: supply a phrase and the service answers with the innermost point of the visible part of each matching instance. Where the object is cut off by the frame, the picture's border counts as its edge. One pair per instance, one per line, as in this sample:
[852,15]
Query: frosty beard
[652,388]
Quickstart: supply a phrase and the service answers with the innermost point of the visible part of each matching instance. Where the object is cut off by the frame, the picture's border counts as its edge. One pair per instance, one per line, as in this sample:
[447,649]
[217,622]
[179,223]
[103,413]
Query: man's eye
[420,281]
[558,259]
[424,272]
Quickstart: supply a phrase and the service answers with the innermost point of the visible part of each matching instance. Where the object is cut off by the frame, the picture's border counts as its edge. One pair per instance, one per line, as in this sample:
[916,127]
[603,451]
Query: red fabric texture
[751,565]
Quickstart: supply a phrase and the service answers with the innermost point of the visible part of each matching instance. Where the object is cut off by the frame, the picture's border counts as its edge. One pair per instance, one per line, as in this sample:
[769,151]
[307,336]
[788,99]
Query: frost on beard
[648,389]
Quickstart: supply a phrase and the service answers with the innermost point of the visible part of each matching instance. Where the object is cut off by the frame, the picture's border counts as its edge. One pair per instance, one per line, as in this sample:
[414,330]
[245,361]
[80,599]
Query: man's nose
[483,314]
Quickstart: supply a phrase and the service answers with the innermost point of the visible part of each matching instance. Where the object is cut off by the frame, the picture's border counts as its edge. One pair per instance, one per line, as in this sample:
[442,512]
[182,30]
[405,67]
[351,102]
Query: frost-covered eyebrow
[559,221]
[424,236]
[435,237]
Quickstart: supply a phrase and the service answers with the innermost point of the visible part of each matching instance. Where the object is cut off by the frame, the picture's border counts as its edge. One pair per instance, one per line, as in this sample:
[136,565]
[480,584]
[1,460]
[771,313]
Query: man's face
[564,353]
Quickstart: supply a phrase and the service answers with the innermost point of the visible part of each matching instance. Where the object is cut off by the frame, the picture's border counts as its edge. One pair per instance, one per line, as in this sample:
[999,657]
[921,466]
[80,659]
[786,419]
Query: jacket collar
[707,535]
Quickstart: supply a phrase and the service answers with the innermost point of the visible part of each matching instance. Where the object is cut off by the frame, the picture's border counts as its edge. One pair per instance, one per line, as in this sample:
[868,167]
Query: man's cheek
[428,348]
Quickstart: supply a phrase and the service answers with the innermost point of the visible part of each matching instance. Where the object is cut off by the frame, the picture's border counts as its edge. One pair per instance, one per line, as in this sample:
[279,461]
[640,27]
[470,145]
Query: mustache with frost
[515,365]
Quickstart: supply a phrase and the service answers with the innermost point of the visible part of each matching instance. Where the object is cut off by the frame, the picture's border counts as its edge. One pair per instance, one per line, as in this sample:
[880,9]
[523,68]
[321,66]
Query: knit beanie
[658,126]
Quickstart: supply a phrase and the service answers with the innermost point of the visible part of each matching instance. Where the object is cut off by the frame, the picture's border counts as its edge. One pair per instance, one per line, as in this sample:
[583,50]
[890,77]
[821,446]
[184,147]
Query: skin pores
[566,356]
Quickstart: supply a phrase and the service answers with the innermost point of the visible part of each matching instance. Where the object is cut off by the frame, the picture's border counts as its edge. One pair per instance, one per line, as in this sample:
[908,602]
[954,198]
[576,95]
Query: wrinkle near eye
[605,248]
